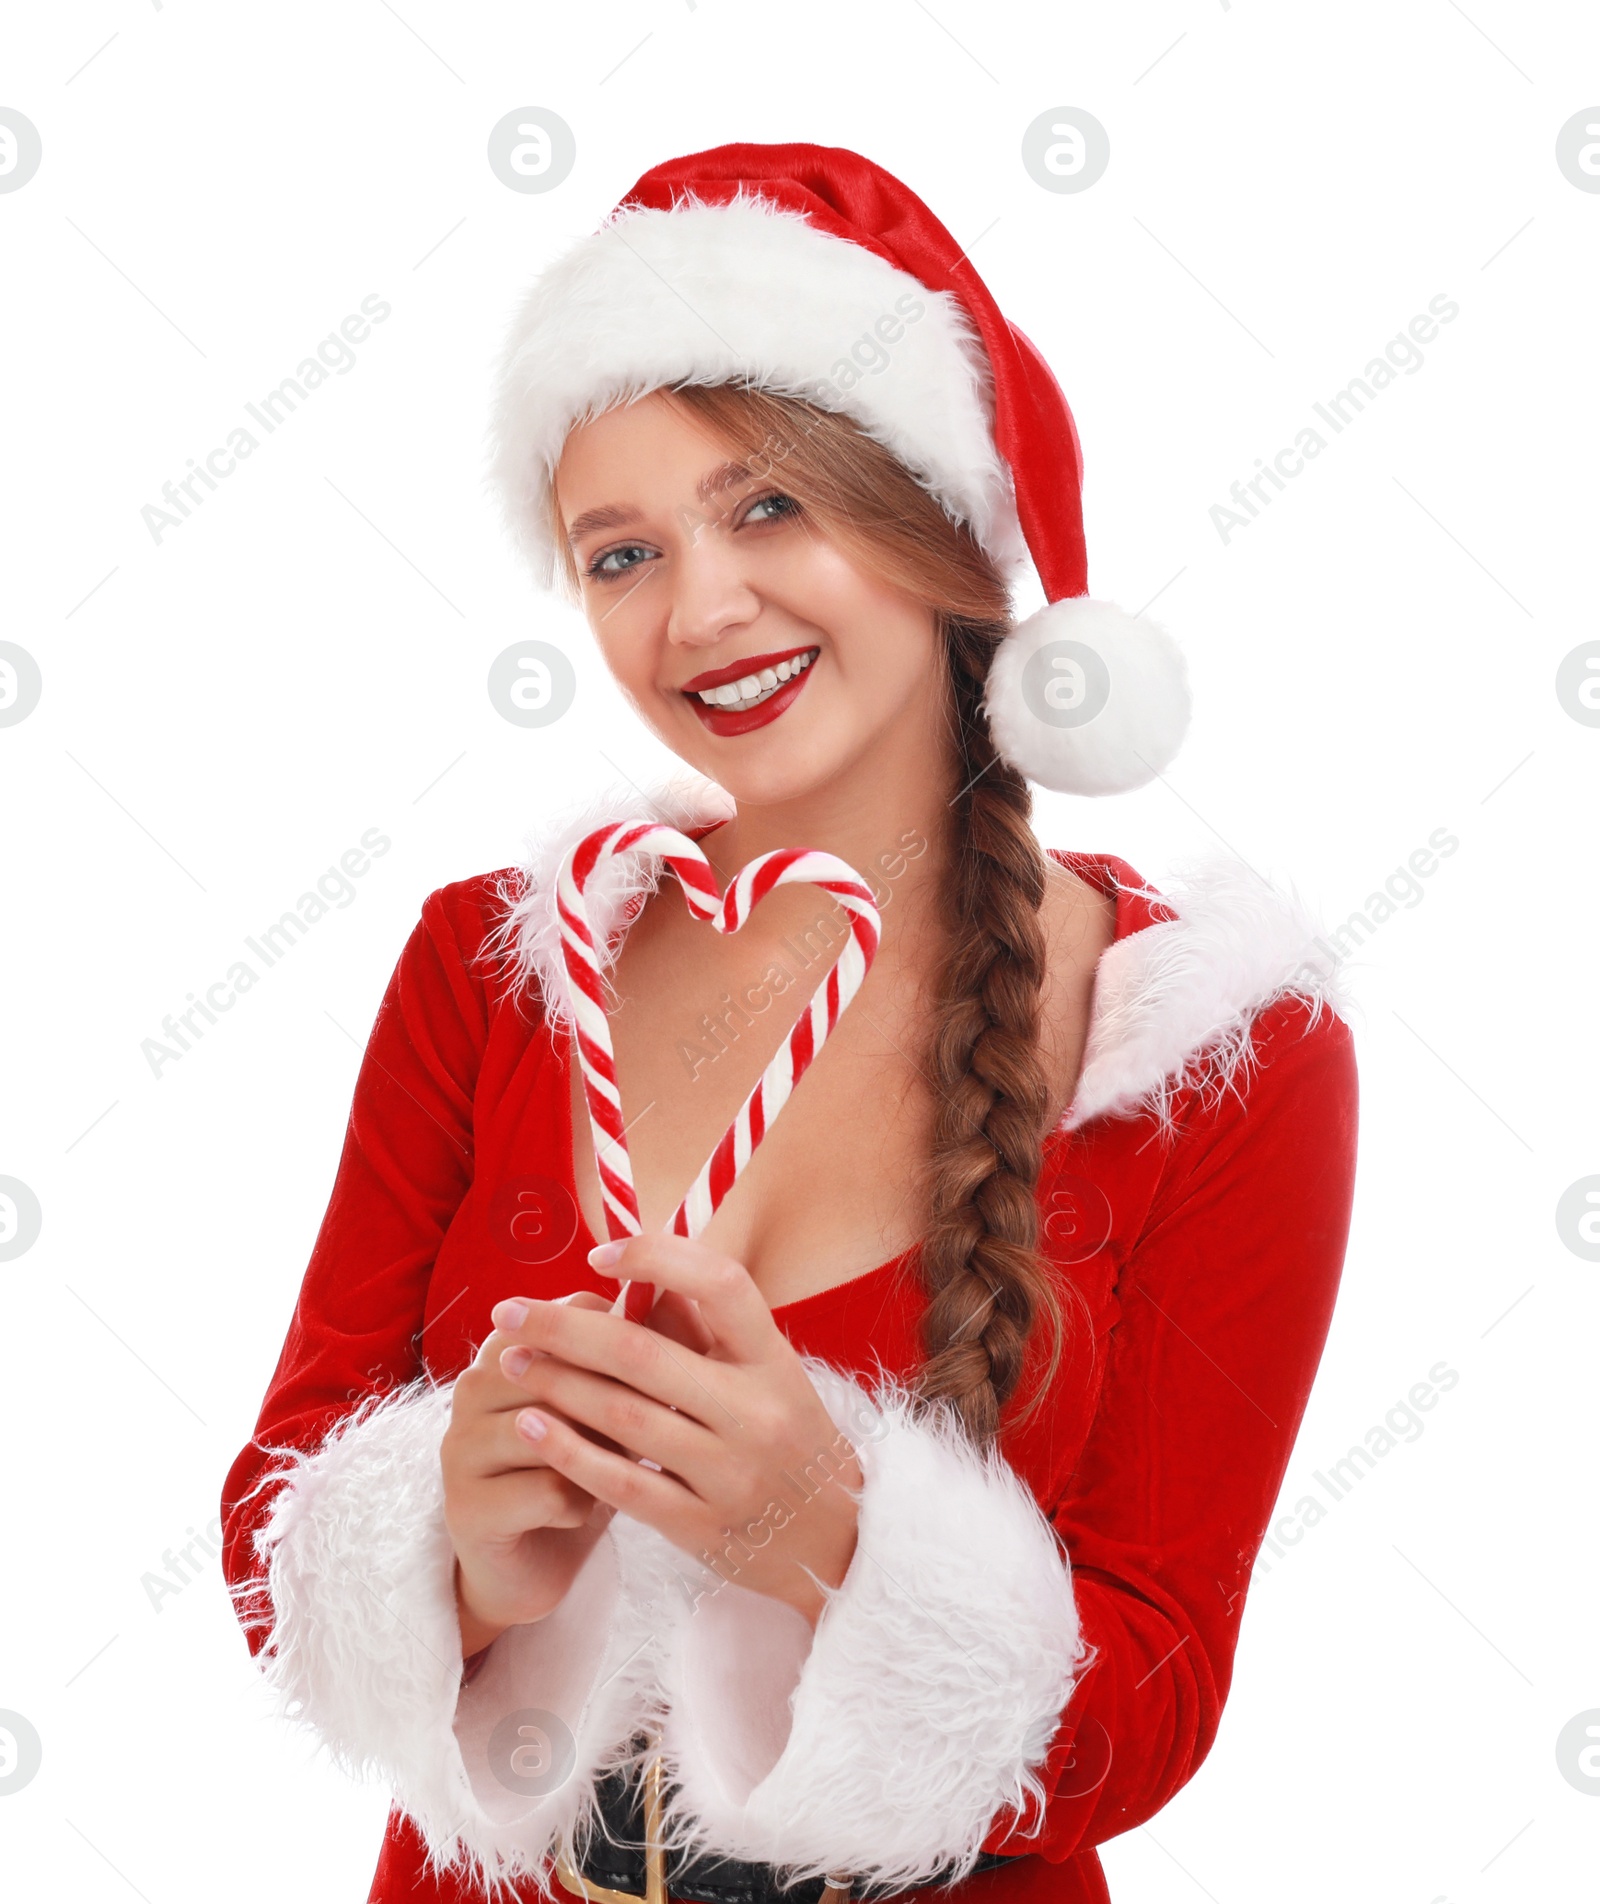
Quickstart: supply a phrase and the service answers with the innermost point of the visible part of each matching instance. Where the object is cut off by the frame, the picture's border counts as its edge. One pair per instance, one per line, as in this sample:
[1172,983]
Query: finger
[632,1489]
[629,1353]
[505,1506]
[483,1440]
[730,1304]
[487,1361]
[506,1449]
[621,1417]
[677,1318]
[537,1497]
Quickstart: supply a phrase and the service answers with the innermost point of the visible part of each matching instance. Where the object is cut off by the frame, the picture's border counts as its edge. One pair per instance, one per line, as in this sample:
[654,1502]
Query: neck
[889,818]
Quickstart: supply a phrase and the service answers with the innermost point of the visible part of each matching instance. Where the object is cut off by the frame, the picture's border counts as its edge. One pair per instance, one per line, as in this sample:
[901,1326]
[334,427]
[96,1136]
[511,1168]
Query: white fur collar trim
[528,937]
[1173,1003]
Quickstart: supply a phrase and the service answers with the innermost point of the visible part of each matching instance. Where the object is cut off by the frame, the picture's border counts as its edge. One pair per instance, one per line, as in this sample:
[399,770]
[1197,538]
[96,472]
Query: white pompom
[1086,698]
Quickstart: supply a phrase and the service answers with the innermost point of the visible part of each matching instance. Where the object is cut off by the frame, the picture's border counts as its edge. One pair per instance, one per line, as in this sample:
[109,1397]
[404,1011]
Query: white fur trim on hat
[1086,698]
[748,291]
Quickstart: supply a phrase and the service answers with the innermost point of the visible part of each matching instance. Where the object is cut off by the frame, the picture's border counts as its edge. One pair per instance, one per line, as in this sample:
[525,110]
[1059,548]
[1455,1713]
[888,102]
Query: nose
[710,594]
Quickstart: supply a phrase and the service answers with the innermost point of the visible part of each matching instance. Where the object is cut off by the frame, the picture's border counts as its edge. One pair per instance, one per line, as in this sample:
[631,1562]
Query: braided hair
[980,1263]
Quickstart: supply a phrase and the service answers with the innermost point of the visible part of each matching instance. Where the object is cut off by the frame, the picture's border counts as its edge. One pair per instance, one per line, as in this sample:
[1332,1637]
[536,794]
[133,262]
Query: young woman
[906,1539]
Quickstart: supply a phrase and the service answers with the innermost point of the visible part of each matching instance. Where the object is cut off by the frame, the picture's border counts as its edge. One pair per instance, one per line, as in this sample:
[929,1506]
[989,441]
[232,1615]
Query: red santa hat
[811,272]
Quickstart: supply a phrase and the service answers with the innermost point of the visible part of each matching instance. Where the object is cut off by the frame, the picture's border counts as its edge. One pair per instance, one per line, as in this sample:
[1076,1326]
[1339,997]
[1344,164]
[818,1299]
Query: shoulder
[468,911]
[450,975]
[459,920]
[1211,978]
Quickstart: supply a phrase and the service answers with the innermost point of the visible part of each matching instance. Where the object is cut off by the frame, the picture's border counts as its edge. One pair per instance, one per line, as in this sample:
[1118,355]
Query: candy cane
[787,866]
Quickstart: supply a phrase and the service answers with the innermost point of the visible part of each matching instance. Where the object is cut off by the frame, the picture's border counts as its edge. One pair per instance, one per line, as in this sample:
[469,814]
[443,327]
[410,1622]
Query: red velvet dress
[1205,1232]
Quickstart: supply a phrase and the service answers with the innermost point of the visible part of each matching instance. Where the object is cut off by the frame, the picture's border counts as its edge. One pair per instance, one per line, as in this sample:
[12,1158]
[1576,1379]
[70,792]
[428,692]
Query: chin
[773,767]
[778,779]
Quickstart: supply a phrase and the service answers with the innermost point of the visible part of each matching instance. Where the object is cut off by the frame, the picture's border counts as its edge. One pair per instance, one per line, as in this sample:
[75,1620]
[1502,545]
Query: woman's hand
[754,1478]
[520,1530]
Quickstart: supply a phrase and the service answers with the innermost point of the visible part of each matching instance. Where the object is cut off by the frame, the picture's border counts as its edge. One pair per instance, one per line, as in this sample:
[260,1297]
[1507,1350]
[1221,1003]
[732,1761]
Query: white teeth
[752,689]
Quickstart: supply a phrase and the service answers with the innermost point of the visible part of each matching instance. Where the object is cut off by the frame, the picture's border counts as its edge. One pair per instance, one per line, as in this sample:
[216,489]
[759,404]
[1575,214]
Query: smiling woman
[773,538]
[904,1542]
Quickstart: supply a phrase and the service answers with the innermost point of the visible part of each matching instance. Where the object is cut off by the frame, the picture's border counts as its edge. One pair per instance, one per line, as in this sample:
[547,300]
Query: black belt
[616,1865]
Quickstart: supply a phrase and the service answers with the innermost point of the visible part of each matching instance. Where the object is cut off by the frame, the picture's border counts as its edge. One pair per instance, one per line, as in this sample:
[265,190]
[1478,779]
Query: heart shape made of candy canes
[727,913]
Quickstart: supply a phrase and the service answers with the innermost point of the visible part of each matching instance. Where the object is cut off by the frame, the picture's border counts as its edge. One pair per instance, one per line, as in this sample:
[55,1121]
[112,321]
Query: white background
[224,713]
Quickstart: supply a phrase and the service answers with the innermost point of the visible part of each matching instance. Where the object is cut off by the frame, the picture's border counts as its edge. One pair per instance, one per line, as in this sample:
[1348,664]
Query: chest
[837,1184]
[849,1167]
[843,1178]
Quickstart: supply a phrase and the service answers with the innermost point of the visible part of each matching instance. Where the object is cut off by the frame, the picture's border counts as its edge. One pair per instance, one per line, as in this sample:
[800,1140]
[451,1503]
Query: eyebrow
[614,515]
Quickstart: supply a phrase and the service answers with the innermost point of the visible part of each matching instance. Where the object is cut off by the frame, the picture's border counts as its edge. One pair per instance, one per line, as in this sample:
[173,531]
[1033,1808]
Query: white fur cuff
[365,1648]
[926,1700]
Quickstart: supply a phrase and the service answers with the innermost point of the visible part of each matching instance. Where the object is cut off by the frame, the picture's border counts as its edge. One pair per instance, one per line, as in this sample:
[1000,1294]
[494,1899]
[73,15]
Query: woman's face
[752,644]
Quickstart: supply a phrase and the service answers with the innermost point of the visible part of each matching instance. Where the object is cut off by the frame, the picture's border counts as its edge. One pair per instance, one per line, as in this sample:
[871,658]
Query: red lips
[727,722]
[737,670]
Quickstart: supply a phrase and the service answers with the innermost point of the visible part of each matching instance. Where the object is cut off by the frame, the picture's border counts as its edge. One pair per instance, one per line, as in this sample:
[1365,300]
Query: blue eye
[603,565]
[610,563]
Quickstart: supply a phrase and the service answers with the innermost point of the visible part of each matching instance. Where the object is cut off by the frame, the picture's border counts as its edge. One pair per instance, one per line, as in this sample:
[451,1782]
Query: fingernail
[605,1254]
[515,1361]
[531,1426]
[510,1314]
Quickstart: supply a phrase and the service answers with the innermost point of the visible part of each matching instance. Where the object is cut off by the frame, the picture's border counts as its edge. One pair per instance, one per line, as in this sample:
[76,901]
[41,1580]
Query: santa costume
[1031,1648]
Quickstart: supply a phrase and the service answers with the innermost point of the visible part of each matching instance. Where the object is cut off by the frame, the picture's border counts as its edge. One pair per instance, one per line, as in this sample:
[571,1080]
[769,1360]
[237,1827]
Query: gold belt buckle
[655,1857]
[838,1888]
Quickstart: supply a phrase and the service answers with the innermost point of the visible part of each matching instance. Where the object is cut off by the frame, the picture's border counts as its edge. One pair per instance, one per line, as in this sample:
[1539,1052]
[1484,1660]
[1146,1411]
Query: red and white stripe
[727,912]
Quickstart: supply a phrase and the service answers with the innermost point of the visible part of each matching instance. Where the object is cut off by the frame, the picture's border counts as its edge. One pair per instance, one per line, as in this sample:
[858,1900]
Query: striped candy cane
[727,912]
